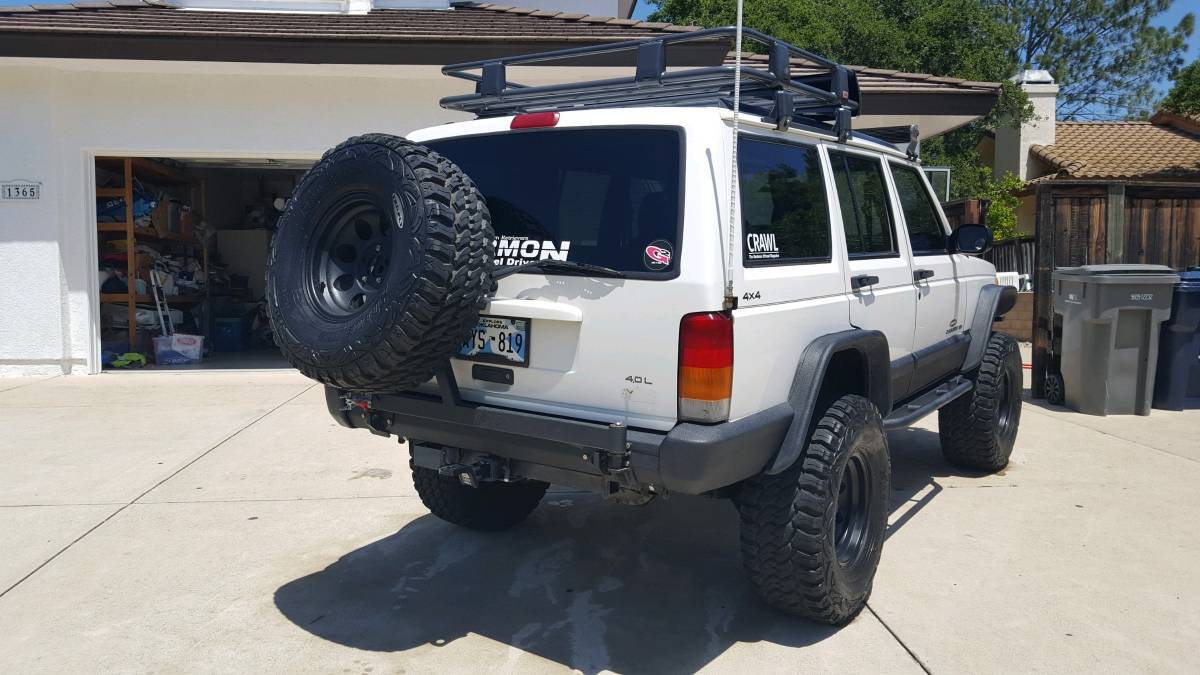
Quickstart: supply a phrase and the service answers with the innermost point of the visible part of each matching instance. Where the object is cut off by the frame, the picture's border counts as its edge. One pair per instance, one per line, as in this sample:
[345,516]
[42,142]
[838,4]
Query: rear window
[600,196]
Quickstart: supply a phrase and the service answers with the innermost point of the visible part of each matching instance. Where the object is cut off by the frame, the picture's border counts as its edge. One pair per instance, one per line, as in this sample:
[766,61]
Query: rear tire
[491,507]
[812,535]
[978,429]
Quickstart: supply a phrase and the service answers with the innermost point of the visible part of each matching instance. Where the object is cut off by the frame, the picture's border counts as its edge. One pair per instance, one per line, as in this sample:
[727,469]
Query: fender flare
[810,377]
[994,301]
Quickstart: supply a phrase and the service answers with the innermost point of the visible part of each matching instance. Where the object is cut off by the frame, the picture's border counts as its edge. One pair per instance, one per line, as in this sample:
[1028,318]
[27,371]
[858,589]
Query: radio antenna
[733,161]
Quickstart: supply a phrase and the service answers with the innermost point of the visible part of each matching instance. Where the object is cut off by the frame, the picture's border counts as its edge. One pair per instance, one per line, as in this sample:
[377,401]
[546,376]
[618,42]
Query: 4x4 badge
[657,255]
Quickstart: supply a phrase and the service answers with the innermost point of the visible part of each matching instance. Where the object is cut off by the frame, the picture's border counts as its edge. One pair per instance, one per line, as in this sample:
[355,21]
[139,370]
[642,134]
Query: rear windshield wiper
[551,265]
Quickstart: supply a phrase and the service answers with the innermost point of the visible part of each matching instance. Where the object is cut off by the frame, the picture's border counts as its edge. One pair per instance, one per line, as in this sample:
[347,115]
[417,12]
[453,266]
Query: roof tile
[1121,150]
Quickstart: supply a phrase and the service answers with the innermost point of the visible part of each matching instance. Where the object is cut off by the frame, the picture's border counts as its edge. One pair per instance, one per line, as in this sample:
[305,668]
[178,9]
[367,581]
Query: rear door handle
[863,280]
[921,275]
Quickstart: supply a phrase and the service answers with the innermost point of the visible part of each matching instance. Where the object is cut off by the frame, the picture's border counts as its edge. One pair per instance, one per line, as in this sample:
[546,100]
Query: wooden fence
[964,211]
[1013,255]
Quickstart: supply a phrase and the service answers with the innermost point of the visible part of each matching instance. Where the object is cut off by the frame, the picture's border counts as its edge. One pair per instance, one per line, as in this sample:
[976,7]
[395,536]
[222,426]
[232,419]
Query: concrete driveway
[216,522]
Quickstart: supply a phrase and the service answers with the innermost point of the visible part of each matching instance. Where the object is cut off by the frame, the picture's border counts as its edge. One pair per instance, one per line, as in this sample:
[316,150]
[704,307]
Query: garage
[192,237]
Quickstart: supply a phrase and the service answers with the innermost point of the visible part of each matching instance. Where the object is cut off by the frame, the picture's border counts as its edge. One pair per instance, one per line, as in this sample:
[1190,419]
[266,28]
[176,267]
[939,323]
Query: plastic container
[1177,383]
[1110,326]
[178,349]
[229,334]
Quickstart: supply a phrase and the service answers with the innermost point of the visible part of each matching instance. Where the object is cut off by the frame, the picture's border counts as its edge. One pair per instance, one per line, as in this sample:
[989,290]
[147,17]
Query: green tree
[1184,97]
[1002,215]
[1104,54]
[958,38]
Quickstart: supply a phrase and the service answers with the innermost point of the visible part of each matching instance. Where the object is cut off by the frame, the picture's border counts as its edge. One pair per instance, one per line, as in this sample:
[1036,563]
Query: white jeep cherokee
[556,293]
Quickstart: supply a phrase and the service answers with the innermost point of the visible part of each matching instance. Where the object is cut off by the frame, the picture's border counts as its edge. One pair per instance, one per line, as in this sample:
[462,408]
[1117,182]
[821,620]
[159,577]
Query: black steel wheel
[351,256]
[1056,392]
[812,535]
[853,518]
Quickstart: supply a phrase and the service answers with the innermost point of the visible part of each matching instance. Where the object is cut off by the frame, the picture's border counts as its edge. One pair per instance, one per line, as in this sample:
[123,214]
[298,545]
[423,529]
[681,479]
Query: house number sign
[15,190]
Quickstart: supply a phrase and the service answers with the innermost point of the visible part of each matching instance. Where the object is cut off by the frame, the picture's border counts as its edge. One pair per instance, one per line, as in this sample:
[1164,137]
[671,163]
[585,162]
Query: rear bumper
[691,458]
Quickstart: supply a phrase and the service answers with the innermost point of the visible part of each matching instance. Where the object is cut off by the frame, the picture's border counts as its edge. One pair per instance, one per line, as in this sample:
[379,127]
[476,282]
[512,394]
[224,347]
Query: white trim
[93,262]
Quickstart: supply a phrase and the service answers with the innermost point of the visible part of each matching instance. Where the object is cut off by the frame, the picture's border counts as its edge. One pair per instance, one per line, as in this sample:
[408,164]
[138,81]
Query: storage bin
[178,349]
[229,334]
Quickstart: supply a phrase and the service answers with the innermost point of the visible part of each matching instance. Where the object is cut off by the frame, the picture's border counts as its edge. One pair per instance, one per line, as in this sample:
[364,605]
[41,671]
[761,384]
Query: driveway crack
[916,659]
[174,473]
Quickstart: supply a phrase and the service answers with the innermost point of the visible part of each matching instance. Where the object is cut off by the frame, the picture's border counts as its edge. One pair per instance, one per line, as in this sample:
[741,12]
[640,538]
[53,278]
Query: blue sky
[1170,17]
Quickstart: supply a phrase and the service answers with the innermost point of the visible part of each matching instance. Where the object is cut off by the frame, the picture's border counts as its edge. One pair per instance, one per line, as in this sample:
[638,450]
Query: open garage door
[182,248]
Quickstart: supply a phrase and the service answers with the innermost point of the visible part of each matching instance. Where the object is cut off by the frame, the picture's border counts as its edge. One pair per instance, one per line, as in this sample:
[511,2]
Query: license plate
[498,339]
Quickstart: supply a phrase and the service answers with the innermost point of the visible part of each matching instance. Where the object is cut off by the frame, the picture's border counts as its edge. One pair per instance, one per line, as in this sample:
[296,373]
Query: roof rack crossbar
[829,95]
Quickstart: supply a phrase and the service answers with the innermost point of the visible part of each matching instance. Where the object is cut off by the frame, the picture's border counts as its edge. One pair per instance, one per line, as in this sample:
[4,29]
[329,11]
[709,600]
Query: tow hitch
[486,469]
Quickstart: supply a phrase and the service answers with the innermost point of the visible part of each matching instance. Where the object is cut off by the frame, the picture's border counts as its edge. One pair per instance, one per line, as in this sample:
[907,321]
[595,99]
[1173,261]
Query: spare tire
[381,264]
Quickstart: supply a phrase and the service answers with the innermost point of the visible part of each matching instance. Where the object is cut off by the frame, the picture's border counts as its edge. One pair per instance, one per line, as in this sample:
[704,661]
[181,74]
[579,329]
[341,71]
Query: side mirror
[971,239]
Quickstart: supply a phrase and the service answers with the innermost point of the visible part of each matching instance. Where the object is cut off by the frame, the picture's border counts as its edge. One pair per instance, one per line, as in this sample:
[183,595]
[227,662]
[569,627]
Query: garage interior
[193,235]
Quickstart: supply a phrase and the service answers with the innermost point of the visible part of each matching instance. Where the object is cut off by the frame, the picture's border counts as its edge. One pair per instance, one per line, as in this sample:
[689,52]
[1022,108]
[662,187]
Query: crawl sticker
[657,255]
[512,251]
[761,246]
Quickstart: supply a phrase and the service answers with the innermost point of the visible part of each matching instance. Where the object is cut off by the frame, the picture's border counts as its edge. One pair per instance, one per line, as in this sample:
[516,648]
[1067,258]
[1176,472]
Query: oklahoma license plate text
[498,339]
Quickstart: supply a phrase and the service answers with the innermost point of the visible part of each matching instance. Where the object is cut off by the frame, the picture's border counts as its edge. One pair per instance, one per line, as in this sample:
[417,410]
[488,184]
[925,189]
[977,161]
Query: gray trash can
[1110,323]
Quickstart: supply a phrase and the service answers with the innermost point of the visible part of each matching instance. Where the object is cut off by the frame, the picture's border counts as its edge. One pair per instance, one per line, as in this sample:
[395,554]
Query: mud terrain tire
[812,535]
[491,507]
[381,264]
[978,429]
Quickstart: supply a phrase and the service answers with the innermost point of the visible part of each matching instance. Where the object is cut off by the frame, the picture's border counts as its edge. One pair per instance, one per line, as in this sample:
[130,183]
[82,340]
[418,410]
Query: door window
[863,196]
[920,215]
[785,218]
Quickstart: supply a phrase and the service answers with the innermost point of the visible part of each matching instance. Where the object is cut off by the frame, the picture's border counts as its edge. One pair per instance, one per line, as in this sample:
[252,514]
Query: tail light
[705,366]
[534,120]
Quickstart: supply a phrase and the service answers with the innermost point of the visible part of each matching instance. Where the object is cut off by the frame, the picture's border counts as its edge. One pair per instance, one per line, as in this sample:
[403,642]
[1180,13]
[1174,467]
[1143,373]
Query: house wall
[1019,320]
[1012,144]
[1027,215]
[59,113]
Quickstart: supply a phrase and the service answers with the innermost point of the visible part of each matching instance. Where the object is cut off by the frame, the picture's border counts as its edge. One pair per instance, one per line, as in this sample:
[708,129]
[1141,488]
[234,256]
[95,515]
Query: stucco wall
[58,114]
[34,322]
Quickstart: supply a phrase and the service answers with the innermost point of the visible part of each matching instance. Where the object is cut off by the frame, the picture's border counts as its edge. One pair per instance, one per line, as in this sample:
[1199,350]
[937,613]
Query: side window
[920,215]
[863,196]
[785,218]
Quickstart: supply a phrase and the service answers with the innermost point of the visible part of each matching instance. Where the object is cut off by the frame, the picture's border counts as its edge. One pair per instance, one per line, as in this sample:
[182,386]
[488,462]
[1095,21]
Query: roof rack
[826,99]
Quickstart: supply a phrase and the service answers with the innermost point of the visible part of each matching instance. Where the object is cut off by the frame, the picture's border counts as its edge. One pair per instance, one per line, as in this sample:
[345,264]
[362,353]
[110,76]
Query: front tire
[978,429]
[812,535]
[491,507]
